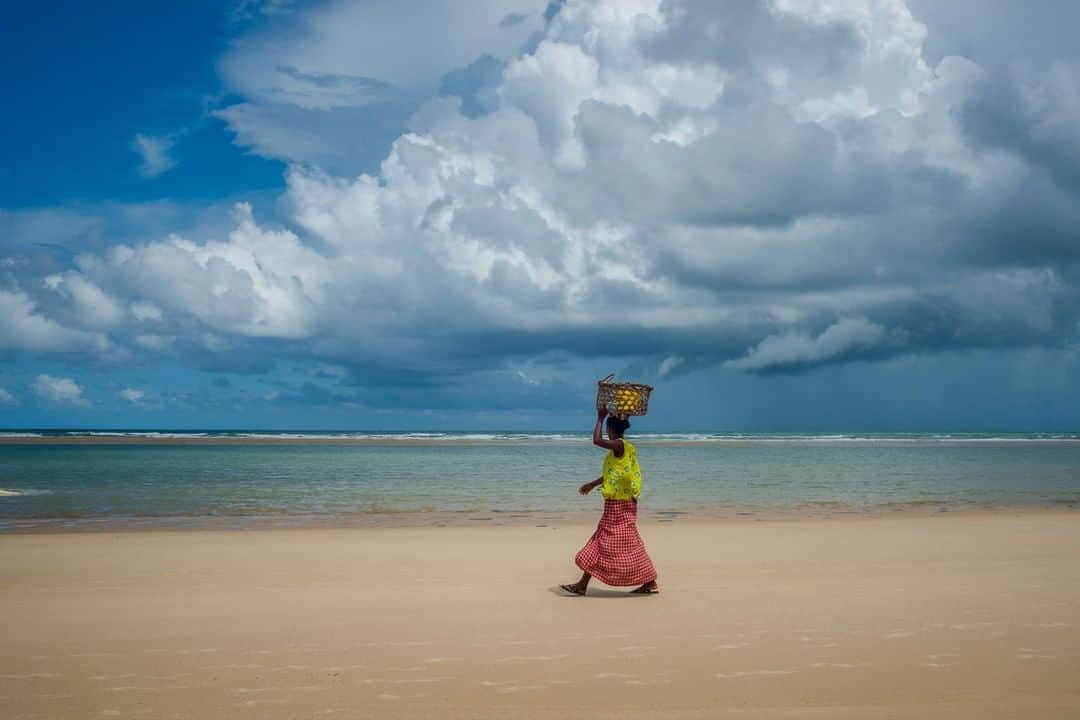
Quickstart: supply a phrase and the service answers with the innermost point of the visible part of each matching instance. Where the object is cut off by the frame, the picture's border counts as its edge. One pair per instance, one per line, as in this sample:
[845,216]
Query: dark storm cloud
[1033,114]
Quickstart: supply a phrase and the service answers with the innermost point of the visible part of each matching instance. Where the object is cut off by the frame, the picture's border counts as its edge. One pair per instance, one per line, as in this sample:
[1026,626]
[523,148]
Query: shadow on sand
[600,593]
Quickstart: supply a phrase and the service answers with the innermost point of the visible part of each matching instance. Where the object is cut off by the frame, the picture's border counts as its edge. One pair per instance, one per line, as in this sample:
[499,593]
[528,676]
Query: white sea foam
[143,434]
[410,436]
[22,492]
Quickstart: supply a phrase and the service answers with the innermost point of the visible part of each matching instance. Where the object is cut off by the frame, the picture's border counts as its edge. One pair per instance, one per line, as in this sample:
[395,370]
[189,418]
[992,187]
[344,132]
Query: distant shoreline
[451,440]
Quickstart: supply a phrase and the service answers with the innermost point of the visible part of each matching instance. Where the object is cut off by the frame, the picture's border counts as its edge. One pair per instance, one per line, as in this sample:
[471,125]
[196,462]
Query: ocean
[120,479]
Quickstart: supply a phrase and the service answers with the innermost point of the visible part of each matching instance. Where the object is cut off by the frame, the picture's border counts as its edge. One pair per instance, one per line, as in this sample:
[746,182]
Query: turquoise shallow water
[523,478]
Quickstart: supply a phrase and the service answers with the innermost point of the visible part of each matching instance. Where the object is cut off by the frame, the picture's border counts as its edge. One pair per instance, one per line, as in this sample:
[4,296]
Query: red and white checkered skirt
[615,554]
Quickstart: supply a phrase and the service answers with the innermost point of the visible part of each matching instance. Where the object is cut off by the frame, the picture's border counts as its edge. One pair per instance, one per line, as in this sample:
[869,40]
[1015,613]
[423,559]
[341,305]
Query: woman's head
[616,426]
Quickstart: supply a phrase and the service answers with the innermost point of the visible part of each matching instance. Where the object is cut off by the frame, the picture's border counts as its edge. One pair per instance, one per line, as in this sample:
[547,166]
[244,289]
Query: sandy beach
[972,616]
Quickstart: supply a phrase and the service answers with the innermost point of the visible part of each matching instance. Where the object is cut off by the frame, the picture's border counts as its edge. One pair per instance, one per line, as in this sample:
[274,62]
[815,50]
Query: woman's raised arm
[598,438]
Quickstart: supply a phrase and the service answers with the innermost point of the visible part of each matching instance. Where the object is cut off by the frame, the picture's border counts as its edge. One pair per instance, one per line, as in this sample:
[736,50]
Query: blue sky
[791,217]
[82,83]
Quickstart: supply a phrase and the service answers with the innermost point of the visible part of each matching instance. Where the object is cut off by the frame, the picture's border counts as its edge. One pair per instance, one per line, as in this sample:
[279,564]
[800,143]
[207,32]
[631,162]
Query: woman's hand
[586,488]
[601,413]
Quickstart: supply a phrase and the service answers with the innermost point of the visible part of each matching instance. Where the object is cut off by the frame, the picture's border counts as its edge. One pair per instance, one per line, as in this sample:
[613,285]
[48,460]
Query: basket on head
[622,399]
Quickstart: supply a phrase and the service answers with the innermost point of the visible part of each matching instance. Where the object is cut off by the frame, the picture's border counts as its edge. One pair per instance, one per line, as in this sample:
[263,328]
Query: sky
[785,215]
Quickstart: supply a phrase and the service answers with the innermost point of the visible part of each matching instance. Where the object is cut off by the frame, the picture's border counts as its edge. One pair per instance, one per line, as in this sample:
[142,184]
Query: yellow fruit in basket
[622,400]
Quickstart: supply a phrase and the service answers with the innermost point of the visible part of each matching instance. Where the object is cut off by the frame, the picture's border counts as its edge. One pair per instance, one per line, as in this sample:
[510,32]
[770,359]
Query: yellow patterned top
[622,475]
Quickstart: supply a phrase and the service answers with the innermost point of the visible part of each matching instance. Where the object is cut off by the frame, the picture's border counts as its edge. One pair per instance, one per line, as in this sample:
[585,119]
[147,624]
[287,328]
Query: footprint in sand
[752,673]
[93,655]
[1037,654]
[409,681]
[519,688]
[252,703]
[526,658]
[812,641]
[942,660]
[118,713]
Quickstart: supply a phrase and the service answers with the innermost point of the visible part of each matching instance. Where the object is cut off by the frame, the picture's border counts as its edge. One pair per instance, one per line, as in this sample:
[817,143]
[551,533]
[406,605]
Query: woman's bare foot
[575,588]
[649,588]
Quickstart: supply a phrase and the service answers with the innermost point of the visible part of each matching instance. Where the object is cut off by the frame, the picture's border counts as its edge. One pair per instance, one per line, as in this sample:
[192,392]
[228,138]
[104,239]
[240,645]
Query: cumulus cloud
[335,86]
[155,154]
[132,395]
[769,185]
[87,305]
[24,327]
[7,398]
[256,282]
[61,391]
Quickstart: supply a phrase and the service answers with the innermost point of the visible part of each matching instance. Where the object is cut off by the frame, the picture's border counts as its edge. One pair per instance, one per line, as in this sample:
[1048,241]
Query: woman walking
[615,553]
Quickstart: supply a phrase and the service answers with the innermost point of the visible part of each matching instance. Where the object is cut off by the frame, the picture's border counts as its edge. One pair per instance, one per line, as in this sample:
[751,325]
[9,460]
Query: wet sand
[970,616]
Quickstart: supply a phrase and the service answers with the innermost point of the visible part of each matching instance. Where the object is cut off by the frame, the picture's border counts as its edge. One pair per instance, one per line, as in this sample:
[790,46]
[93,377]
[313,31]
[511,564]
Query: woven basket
[622,399]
